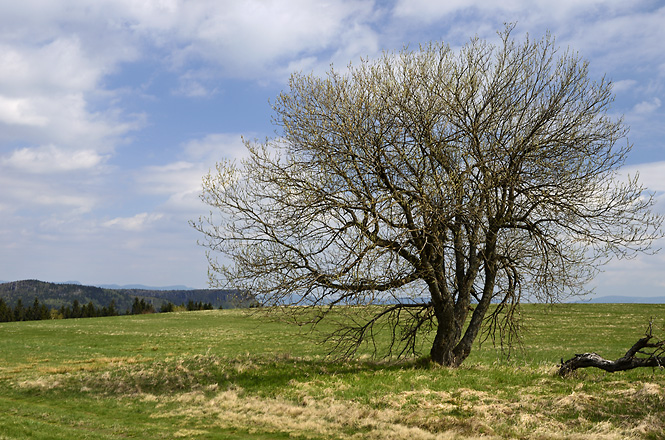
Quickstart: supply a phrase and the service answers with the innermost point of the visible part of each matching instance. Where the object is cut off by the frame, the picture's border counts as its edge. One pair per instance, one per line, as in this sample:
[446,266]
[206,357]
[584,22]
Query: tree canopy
[435,183]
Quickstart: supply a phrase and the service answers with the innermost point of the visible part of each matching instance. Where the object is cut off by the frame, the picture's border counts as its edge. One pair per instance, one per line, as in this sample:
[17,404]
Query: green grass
[232,375]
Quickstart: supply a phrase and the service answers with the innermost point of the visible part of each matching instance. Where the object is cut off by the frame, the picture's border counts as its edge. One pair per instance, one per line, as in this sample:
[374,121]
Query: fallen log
[653,355]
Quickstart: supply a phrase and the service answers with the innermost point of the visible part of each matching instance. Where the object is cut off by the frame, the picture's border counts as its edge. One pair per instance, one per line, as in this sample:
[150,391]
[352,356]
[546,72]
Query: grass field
[231,375]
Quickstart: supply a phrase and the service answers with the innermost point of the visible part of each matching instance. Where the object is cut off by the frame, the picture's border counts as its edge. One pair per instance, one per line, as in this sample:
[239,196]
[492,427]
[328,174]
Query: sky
[111,111]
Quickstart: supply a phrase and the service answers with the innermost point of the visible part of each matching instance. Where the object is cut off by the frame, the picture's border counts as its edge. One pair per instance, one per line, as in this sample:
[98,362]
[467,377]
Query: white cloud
[641,276]
[264,38]
[216,146]
[358,41]
[56,56]
[623,86]
[138,222]
[63,119]
[616,34]
[652,175]
[629,42]
[43,196]
[47,91]
[425,10]
[80,203]
[167,179]
[193,89]
[649,106]
[20,111]
[61,65]
[179,183]
[51,159]
[251,38]
[195,83]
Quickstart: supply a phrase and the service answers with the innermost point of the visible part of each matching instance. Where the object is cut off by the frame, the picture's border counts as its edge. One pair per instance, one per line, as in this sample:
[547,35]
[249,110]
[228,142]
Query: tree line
[39,311]
[55,295]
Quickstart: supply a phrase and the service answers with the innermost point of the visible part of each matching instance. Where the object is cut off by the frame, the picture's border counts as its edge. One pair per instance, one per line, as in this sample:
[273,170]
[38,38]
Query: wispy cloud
[139,222]
[649,106]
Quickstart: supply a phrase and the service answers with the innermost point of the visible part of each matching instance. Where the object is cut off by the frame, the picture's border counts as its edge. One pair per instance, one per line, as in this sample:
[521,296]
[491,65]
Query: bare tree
[434,184]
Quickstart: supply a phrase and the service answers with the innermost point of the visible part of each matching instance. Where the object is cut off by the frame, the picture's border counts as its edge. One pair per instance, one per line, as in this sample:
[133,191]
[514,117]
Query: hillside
[56,295]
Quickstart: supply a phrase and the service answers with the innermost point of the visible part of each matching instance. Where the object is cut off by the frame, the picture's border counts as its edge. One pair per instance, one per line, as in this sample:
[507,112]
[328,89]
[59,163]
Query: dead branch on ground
[651,349]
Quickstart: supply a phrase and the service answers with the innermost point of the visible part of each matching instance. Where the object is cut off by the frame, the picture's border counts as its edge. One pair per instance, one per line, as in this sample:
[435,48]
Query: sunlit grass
[235,375]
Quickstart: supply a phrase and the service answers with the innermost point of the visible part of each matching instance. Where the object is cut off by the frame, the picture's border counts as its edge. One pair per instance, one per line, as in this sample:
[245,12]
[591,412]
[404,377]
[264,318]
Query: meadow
[232,374]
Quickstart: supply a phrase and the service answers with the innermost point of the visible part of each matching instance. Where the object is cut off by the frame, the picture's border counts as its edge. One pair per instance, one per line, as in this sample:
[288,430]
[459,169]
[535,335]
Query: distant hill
[616,299]
[126,286]
[55,295]
[142,287]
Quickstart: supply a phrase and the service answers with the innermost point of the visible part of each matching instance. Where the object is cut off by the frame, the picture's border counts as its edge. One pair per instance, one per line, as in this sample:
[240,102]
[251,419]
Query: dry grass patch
[41,383]
[643,390]
[203,392]
[463,414]
[189,433]
[316,418]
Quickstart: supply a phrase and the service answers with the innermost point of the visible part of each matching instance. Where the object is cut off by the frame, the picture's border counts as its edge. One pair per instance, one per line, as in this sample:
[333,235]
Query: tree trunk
[450,348]
[626,362]
[448,334]
[443,348]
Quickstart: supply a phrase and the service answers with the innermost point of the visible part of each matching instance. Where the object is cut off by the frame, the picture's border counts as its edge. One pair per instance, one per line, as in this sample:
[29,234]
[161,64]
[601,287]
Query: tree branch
[654,358]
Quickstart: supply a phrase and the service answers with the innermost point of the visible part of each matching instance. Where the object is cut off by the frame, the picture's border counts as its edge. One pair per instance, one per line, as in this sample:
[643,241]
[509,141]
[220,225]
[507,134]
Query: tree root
[653,352]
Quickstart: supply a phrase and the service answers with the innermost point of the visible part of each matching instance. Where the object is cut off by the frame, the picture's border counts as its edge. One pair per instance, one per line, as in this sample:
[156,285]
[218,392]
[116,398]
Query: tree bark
[448,333]
[442,349]
[655,358]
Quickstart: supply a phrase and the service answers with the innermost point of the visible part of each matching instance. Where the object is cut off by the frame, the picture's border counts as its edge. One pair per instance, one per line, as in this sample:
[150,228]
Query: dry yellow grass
[317,418]
[418,415]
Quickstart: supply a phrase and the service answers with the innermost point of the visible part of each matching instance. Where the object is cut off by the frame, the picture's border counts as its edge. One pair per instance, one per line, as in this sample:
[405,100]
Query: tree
[76,309]
[167,307]
[435,184]
[19,311]
[6,313]
[89,311]
[141,307]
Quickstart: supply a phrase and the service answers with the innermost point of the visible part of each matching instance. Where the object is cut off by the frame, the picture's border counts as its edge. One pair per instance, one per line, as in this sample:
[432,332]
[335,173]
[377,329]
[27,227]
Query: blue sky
[111,111]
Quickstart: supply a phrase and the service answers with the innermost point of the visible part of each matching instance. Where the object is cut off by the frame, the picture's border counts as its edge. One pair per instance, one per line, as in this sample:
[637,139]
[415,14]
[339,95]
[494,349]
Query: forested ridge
[57,296]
